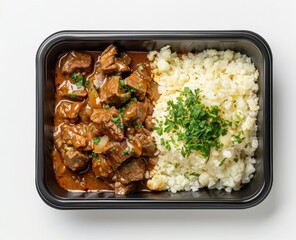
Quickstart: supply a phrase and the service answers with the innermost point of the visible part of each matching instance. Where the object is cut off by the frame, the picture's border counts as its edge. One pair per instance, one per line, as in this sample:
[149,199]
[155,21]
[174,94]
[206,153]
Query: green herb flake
[158,130]
[93,155]
[235,159]
[197,125]
[96,140]
[122,82]
[117,120]
[86,83]
[238,138]
[112,149]
[78,79]
[194,174]
[107,107]
[140,86]
[127,151]
[141,67]
[222,162]
[73,95]
[177,165]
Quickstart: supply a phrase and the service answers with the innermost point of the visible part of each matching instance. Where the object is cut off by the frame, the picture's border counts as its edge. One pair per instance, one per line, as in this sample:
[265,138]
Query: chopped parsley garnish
[222,162]
[141,67]
[165,144]
[86,83]
[238,138]
[235,159]
[122,82]
[96,140]
[78,79]
[125,87]
[93,155]
[130,137]
[194,174]
[117,120]
[73,95]
[107,107]
[158,130]
[137,125]
[127,151]
[140,86]
[177,165]
[112,149]
[194,123]
[132,90]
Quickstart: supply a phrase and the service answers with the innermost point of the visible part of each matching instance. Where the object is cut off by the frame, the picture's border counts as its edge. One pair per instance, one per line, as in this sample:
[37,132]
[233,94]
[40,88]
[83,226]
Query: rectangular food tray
[243,41]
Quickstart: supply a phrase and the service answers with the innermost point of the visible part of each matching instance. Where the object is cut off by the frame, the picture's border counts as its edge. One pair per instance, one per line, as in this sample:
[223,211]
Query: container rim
[59,36]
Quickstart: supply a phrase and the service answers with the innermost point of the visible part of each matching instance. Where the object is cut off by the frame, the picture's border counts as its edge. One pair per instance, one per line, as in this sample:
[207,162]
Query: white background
[25,24]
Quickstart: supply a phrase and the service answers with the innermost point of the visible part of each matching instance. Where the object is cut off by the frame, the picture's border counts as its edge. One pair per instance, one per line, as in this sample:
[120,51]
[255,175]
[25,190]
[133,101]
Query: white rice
[224,77]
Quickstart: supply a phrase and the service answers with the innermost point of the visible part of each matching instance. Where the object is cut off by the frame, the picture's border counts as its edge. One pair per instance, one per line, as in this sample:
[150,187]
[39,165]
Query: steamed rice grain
[225,78]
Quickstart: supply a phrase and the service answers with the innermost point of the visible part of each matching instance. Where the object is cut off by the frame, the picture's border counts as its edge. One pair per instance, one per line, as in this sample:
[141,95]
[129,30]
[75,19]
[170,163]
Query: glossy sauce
[85,180]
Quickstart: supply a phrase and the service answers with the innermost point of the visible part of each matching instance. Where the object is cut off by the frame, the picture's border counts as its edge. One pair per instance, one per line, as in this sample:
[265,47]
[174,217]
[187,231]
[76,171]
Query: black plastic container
[243,41]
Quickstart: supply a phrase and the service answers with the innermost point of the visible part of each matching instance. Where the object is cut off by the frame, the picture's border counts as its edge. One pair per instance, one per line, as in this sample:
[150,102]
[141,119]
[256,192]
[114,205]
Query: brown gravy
[85,180]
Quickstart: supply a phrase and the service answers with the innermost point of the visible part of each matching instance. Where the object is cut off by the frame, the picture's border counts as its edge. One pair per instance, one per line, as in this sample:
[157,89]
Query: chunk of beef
[149,123]
[111,92]
[83,114]
[111,64]
[101,167]
[98,78]
[108,122]
[125,58]
[138,84]
[143,131]
[148,145]
[75,160]
[118,152]
[107,59]
[136,145]
[135,113]
[79,135]
[152,91]
[121,189]
[70,90]
[68,109]
[71,136]
[131,170]
[75,60]
[149,106]
[123,63]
